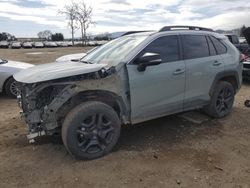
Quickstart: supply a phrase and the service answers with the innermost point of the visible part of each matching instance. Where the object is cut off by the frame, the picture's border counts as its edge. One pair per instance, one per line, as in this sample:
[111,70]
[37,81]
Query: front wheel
[91,130]
[221,101]
[10,88]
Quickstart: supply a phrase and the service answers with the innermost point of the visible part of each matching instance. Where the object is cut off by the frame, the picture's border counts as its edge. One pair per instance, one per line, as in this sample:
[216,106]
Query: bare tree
[70,12]
[46,34]
[84,17]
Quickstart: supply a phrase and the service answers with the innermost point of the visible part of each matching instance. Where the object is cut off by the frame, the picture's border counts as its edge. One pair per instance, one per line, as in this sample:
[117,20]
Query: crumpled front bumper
[33,129]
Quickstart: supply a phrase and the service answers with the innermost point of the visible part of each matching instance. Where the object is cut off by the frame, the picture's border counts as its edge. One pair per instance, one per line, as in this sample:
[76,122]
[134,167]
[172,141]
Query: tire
[91,130]
[221,101]
[10,88]
[247,103]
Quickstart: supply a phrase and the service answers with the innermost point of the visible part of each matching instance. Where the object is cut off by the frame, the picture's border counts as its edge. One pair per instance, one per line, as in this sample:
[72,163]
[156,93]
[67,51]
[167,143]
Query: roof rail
[182,27]
[133,32]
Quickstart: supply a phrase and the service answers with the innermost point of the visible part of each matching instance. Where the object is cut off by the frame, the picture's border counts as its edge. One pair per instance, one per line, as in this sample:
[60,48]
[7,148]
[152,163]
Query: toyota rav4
[132,79]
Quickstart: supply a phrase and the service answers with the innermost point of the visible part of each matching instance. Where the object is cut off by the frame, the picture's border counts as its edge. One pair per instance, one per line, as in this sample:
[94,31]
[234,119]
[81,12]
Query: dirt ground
[167,152]
[39,55]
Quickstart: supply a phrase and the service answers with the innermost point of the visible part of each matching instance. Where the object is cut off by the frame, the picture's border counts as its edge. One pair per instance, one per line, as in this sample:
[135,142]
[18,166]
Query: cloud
[36,19]
[121,15]
[120,2]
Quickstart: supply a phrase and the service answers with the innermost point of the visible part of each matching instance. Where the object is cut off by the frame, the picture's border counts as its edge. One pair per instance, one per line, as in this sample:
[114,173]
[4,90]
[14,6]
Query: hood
[246,34]
[71,57]
[17,65]
[55,70]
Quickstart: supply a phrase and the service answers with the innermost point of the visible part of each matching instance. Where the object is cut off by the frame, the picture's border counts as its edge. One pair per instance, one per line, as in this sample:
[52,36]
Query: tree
[241,30]
[104,36]
[84,17]
[3,36]
[57,37]
[70,12]
[46,34]
[7,37]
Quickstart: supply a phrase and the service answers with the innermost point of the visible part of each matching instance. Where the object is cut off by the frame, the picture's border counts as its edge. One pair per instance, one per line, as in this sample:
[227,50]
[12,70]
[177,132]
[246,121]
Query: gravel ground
[166,152]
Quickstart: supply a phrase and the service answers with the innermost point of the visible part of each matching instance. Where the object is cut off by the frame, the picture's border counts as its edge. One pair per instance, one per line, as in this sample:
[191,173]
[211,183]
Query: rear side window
[167,47]
[212,50]
[220,48]
[195,46]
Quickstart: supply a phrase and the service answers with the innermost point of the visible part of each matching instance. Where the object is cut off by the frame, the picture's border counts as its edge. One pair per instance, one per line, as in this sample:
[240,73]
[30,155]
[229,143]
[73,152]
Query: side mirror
[148,59]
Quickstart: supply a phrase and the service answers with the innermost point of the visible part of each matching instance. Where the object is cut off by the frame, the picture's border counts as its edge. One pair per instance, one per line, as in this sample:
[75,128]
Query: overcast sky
[25,18]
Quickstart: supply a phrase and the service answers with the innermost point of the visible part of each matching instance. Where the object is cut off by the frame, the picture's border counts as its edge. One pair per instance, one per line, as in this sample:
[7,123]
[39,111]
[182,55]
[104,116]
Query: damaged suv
[132,79]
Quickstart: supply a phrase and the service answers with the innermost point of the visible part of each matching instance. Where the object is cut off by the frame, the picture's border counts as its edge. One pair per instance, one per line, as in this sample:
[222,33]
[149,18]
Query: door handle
[217,63]
[179,71]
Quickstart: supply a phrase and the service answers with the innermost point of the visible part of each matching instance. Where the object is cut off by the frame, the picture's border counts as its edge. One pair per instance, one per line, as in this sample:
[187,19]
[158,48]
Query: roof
[180,30]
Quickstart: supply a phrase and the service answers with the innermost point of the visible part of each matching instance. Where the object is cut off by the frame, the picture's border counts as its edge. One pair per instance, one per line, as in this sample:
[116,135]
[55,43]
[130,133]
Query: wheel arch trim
[224,76]
[107,97]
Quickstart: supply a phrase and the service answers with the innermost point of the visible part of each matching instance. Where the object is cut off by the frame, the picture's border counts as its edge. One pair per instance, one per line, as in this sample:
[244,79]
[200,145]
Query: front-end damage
[45,104]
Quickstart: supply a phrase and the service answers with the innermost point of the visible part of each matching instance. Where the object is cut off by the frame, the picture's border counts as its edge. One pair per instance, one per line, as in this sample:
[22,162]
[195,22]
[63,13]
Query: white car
[7,69]
[38,45]
[74,57]
[50,44]
[70,43]
[27,45]
[62,44]
[16,45]
[71,57]
[4,44]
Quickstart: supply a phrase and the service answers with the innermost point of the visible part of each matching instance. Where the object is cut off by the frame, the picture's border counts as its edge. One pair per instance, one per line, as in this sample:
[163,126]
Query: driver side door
[158,90]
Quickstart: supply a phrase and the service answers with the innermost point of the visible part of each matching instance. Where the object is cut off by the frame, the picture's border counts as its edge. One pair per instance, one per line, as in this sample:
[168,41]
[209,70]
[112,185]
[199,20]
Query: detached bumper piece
[31,136]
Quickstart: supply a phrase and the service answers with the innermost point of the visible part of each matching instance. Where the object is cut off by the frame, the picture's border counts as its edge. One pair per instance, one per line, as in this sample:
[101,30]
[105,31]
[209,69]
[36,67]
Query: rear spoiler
[246,34]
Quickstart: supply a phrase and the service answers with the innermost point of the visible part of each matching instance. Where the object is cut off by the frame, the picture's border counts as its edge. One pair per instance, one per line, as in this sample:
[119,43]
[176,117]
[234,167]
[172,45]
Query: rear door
[203,63]
[159,90]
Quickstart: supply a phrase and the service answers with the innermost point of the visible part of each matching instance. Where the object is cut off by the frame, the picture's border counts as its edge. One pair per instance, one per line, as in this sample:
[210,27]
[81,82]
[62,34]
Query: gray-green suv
[132,79]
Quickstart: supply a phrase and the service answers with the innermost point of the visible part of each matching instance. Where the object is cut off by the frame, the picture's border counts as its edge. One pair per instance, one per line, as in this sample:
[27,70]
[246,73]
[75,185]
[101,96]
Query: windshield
[114,52]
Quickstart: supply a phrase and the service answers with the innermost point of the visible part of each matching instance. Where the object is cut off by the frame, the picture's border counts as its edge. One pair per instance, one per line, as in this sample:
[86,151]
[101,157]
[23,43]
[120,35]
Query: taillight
[243,57]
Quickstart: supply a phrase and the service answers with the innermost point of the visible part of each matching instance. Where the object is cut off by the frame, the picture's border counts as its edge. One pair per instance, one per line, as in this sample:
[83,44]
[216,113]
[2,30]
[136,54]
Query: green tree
[241,30]
[57,37]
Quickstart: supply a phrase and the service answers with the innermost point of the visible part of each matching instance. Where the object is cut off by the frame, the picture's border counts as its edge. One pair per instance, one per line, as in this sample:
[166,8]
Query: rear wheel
[10,88]
[91,130]
[221,101]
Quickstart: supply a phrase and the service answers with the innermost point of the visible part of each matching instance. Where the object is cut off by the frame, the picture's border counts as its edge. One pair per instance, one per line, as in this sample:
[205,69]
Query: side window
[167,47]
[195,46]
[220,48]
[212,50]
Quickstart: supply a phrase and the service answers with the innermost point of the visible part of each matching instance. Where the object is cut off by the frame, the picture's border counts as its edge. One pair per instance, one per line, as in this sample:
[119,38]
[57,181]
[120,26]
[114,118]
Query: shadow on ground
[155,134]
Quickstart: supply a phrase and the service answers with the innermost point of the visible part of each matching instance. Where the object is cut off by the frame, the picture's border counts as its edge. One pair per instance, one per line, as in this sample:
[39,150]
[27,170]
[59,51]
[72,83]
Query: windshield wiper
[87,62]
[2,61]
